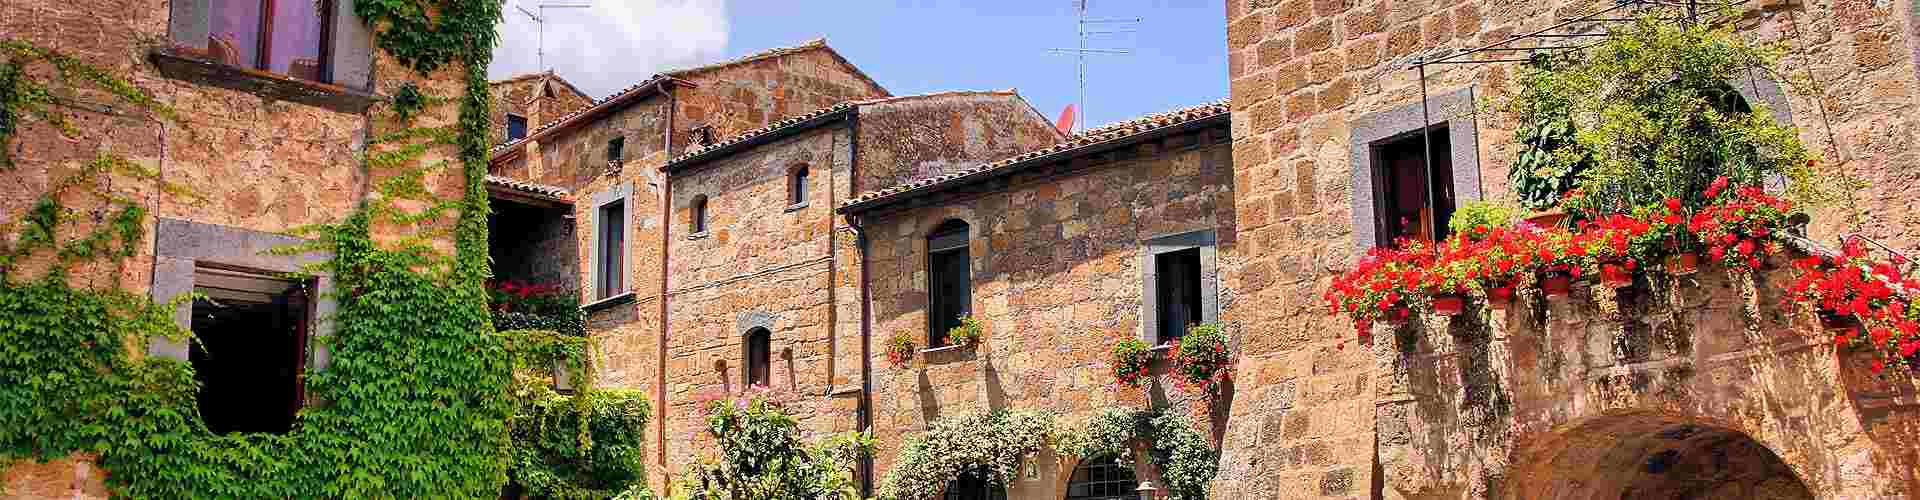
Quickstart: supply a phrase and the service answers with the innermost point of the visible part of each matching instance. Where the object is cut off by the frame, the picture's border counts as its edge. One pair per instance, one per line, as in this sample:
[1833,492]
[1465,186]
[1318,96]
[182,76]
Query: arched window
[759,357]
[1101,479]
[797,185]
[949,280]
[974,485]
[697,215]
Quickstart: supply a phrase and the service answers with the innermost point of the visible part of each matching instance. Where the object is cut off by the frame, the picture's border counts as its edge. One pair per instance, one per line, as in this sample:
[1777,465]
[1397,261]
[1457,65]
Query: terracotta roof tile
[1103,134]
[529,187]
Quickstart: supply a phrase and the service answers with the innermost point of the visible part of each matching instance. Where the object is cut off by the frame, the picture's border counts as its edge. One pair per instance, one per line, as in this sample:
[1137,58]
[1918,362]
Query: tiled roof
[764,54]
[529,187]
[1097,136]
[792,121]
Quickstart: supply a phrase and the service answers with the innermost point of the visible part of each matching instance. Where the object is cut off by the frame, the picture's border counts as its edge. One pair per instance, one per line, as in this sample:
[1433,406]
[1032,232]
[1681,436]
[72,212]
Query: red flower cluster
[1856,289]
[1380,288]
[1738,231]
[526,290]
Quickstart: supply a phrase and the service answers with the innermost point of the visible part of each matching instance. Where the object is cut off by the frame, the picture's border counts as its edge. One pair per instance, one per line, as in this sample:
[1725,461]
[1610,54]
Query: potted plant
[1549,159]
[1201,358]
[968,334]
[1132,362]
[1742,226]
[1381,286]
[900,350]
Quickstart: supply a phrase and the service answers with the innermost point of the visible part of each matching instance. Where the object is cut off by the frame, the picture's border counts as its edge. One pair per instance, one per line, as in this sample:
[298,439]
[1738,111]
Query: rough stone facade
[1306,74]
[537,97]
[263,165]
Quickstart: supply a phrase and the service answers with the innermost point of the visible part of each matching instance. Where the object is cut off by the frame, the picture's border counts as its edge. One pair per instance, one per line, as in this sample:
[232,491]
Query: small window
[1178,282]
[697,215]
[797,186]
[759,357]
[1102,479]
[250,335]
[612,249]
[287,37]
[616,148]
[974,485]
[949,280]
[1411,202]
[516,127]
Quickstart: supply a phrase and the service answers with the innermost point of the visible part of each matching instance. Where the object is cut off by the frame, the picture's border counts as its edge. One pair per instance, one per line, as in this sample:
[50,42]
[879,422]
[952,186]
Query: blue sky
[909,46]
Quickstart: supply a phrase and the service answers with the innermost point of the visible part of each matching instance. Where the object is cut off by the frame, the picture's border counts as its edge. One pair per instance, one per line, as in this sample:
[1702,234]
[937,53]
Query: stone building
[270,137]
[1545,407]
[523,101]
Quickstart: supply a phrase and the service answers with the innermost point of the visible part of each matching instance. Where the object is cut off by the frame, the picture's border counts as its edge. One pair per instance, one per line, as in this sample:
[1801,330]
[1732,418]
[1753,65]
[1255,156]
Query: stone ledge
[621,298]
[183,65]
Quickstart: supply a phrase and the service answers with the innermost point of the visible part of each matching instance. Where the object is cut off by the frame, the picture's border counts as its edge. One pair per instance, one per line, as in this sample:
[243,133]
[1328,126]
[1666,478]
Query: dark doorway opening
[251,329]
[1178,280]
[1412,202]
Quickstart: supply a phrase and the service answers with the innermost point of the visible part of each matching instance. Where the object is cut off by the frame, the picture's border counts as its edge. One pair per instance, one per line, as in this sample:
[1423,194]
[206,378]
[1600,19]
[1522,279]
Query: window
[797,186]
[697,215]
[759,357]
[288,37]
[1102,479]
[949,280]
[616,148]
[516,127]
[974,485]
[612,249]
[251,330]
[1178,283]
[1412,201]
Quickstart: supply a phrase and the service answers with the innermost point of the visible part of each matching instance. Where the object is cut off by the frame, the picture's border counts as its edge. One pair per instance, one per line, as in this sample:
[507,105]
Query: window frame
[1202,241]
[757,360]
[1103,461]
[304,328]
[264,44]
[1451,110]
[522,119]
[1384,187]
[616,149]
[797,185]
[697,215]
[948,238]
[622,194]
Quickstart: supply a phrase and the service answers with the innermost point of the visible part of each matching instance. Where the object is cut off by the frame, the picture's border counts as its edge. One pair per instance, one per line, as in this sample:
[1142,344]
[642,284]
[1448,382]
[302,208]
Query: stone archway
[1650,456]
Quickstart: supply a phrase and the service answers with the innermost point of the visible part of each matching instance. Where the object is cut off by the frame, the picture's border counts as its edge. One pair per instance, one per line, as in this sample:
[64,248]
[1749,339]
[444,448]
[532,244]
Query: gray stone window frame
[180,247]
[349,50]
[1452,110]
[622,193]
[746,323]
[1202,240]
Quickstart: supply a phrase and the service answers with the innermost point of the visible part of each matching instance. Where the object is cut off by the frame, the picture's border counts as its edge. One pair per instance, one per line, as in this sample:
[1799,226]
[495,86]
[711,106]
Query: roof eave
[910,195]
[767,137]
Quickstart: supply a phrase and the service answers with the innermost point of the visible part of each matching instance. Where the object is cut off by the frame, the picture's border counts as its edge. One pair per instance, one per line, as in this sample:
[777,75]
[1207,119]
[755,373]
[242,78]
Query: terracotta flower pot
[1449,305]
[1548,218]
[1833,322]
[1499,297]
[1682,264]
[1556,284]
[1615,276]
[1397,316]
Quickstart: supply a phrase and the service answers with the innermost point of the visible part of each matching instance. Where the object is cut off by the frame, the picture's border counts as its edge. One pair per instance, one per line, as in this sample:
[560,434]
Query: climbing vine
[420,393]
[992,443]
[1178,450]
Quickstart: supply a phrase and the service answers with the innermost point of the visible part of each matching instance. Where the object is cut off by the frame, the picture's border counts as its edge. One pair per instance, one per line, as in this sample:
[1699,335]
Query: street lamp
[1146,490]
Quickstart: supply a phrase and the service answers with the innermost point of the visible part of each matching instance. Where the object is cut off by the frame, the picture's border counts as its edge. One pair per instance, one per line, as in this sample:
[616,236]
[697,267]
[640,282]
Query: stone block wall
[737,97]
[909,139]
[1306,73]
[1057,279]
[539,97]
[258,163]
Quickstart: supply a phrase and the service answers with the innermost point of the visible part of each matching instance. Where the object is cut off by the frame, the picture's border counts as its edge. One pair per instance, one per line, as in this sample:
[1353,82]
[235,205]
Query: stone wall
[1057,279]
[909,139]
[539,97]
[259,163]
[1308,75]
[736,97]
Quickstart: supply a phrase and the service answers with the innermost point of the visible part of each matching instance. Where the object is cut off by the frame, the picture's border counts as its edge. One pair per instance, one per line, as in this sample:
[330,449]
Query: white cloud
[613,44]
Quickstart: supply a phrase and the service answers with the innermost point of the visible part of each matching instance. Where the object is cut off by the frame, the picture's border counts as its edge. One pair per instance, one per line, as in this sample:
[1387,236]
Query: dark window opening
[697,217]
[616,148]
[974,485]
[516,127]
[949,280]
[759,357]
[251,335]
[1407,204]
[797,186]
[1102,479]
[1177,277]
[287,37]
[613,245]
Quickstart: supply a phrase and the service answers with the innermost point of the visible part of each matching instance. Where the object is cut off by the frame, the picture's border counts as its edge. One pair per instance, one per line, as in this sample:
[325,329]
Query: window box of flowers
[970,333]
[1202,358]
[1381,287]
[900,350]
[1132,362]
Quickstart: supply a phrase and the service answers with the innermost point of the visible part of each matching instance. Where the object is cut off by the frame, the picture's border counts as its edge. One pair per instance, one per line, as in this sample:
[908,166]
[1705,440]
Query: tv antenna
[540,18]
[1086,32]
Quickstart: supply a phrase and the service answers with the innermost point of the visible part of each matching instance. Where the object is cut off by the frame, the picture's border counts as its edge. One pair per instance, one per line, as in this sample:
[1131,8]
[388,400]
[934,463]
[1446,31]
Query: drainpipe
[866,303]
[666,233]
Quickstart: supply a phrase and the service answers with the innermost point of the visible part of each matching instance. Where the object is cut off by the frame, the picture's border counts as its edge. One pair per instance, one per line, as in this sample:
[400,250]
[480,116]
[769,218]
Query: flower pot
[1548,218]
[1397,316]
[1499,297]
[1556,284]
[1449,305]
[1615,276]
[1834,322]
[1682,264]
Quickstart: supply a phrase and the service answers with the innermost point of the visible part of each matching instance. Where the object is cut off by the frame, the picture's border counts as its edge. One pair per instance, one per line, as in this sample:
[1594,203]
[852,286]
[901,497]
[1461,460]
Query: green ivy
[1178,450]
[992,442]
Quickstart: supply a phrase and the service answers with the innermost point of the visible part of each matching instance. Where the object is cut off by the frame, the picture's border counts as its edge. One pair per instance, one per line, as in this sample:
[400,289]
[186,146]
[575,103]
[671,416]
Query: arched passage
[1651,457]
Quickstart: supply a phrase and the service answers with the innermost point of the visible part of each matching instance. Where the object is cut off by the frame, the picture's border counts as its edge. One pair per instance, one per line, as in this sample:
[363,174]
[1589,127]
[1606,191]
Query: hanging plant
[900,350]
[1201,358]
[1132,361]
[968,334]
[1864,301]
